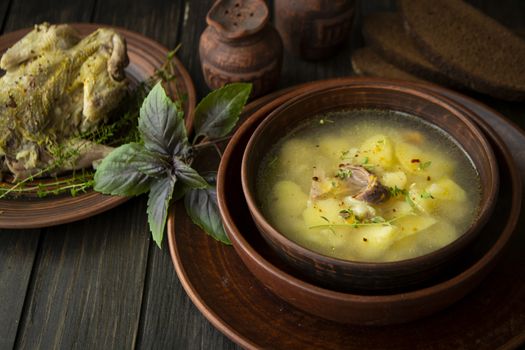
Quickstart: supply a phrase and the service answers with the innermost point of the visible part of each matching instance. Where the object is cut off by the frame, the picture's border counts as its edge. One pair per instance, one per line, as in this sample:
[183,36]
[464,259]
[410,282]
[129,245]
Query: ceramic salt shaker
[239,45]
[314,29]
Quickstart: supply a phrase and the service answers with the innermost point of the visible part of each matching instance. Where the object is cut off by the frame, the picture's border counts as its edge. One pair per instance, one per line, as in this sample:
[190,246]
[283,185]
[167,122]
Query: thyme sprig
[371,222]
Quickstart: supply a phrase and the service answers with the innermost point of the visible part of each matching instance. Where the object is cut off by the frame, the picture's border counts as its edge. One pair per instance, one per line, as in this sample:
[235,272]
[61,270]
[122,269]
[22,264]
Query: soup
[369,185]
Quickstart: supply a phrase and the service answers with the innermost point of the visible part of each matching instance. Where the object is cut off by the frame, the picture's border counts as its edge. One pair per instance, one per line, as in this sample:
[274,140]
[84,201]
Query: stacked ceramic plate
[230,286]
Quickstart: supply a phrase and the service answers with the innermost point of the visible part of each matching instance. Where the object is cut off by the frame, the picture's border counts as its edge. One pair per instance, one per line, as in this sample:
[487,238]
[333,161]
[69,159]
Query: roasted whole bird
[56,87]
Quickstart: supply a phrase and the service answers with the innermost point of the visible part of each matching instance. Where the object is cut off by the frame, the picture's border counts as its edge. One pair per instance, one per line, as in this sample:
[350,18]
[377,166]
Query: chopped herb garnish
[325,219]
[358,224]
[377,219]
[424,165]
[273,161]
[396,191]
[344,174]
[426,195]
[346,213]
[365,161]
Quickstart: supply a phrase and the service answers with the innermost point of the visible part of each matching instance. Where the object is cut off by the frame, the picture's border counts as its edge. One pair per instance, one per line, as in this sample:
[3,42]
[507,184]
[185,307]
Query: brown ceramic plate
[240,307]
[145,56]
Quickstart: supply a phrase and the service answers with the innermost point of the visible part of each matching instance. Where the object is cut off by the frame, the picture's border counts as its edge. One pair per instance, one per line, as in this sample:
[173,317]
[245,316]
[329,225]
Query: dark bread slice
[468,46]
[366,61]
[384,32]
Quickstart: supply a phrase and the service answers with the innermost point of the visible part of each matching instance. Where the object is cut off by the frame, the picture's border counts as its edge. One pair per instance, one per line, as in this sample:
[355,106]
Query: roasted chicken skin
[56,87]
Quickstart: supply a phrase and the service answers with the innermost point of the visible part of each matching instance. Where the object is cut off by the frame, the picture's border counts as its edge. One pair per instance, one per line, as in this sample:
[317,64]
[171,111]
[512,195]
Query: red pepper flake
[365,239]
[315,178]
[428,178]
[415,160]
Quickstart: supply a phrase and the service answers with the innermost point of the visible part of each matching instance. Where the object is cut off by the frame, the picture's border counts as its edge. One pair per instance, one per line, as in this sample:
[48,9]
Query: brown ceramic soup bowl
[370,277]
[293,287]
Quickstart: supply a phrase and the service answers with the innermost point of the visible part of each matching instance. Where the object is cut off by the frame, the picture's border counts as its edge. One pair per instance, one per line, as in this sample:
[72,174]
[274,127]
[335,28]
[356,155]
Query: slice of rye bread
[365,61]
[384,32]
[469,46]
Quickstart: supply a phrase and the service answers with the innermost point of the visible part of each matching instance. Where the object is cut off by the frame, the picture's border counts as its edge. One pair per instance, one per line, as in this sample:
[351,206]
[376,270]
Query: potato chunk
[371,242]
[323,212]
[290,200]
[333,148]
[426,164]
[287,207]
[423,200]
[409,156]
[441,234]
[447,189]
[377,150]
[296,157]
[394,179]
[412,224]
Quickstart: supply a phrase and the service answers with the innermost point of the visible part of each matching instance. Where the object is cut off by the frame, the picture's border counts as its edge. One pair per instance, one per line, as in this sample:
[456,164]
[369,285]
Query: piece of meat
[351,180]
[56,87]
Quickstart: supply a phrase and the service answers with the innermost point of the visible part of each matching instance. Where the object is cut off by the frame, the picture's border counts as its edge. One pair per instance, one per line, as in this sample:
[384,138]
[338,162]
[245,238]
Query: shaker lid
[234,19]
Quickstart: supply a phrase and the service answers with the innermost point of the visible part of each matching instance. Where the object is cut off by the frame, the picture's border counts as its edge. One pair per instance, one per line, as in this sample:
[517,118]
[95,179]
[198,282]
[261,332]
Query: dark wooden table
[101,283]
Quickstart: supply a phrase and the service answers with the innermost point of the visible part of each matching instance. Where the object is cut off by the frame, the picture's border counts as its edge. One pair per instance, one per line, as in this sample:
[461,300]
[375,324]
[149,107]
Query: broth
[421,189]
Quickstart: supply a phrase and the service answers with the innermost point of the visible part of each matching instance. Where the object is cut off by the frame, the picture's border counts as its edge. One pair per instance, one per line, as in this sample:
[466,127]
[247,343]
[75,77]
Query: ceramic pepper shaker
[239,45]
[313,29]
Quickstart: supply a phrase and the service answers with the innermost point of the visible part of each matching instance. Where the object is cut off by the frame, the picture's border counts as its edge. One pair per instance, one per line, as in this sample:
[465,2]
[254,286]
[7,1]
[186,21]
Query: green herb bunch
[160,162]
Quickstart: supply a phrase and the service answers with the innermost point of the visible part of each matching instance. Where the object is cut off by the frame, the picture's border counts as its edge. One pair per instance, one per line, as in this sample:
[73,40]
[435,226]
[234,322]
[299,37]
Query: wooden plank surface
[102,283]
[18,249]
[17,255]
[88,279]
[4,7]
[194,22]
[88,283]
[169,320]
[26,13]
[156,19]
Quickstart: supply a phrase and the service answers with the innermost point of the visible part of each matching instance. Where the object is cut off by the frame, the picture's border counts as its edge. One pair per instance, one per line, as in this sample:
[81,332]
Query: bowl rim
[484,213]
